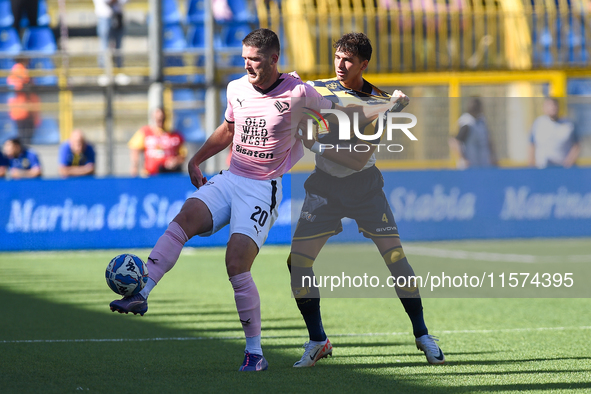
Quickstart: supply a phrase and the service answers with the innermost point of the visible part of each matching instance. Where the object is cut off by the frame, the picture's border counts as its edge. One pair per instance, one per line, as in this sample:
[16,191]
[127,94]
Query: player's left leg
[391,250]
[240,256]
[253,212]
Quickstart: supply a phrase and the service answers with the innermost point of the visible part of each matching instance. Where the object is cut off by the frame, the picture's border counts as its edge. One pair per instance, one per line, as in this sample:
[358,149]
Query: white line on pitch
[368,334]
[496,257]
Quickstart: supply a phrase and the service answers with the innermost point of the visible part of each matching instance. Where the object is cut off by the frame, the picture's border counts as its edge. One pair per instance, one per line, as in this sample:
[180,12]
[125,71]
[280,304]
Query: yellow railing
[440,35]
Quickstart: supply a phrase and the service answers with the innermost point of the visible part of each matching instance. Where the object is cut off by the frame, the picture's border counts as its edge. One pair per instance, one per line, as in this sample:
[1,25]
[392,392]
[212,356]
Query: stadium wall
[428,205]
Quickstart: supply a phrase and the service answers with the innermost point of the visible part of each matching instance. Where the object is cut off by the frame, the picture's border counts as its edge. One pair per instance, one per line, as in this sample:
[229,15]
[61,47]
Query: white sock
[148,288]
[318,342]
[253,345]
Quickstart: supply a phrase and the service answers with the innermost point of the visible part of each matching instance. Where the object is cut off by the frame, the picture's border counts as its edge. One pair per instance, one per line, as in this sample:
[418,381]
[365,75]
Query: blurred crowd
[553,142]
[162,151]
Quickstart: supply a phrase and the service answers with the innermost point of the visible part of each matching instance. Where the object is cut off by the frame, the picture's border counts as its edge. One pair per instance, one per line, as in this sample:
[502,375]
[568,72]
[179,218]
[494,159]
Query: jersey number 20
[262,216]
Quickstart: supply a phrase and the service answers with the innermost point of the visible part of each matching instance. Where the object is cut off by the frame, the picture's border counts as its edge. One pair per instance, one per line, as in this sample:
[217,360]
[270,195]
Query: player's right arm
[220,139]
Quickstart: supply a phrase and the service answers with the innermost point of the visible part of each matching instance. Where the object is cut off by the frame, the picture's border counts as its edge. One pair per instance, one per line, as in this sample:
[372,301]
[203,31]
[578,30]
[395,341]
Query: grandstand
[434,50]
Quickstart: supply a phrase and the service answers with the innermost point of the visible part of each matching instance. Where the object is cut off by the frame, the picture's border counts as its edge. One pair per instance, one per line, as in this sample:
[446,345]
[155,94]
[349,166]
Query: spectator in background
[22,162]
[163,150]
[30,8]
[24,106]
[3,165]
[221,10]
[553,141]
[110,29]
[76,156]
[472,144]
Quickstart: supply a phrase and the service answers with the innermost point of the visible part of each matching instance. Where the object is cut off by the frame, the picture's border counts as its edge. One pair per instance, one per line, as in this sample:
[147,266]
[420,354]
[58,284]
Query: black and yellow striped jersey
[334,91]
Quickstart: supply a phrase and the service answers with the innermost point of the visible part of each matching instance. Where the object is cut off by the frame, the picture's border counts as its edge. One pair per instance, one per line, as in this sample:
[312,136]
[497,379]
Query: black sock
[409,295]
[307,295]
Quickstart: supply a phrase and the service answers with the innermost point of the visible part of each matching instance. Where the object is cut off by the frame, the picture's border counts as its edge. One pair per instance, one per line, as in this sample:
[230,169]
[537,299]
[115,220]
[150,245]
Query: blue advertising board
[88,213]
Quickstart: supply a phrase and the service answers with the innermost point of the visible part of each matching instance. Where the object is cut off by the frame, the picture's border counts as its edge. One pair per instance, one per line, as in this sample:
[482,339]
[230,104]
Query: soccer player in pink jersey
[258,124]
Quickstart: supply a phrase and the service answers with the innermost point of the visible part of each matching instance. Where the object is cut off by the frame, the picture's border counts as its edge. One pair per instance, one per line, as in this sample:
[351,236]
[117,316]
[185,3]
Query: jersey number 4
[384,218]
[259,216]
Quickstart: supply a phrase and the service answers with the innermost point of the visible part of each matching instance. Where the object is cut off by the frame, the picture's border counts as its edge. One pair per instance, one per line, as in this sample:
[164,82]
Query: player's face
[348,68]
[259,67]
[10,149]
[551,108]
[158,117]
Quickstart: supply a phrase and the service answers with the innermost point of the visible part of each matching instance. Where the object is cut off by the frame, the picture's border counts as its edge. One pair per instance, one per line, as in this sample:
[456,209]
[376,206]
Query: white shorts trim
[249,206]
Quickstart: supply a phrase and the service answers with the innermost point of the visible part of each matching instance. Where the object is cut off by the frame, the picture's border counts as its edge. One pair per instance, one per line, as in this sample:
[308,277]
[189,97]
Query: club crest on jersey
[281,106]
[332,86]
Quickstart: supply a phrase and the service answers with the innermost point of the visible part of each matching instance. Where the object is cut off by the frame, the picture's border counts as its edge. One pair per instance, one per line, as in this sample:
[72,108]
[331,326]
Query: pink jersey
[263,146]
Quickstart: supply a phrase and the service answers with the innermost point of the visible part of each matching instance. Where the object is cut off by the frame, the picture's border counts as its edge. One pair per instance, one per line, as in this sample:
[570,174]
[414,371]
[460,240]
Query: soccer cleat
[314,353]
[134,304]
[427,344]
[253,362]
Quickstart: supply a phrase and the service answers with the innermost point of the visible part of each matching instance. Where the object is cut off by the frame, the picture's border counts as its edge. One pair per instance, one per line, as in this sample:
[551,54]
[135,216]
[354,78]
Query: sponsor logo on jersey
[240,101]
[281,106]
[307,216]
[248,152]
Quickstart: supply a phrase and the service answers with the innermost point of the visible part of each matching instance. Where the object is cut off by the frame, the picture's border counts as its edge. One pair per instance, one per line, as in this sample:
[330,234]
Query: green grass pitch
[57,334]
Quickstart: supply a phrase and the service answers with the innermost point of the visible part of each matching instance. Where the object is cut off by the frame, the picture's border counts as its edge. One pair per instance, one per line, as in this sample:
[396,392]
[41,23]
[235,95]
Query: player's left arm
[368,113]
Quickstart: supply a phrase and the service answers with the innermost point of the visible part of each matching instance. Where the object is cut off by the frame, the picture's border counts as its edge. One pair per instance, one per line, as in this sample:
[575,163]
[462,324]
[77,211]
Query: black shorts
[358,196]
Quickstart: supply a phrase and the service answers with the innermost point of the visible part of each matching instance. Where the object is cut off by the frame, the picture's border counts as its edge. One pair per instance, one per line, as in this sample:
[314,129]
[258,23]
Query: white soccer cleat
[314,353]
[427,344]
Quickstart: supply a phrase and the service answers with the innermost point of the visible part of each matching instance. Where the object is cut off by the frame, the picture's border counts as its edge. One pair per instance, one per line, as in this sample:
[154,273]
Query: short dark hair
[16,141]
[474,105]
[356,44]
[265,40]
[553,99]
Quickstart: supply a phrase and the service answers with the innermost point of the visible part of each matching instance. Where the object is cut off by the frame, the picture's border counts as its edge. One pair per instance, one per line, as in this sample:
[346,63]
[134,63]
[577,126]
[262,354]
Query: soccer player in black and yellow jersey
[346,183]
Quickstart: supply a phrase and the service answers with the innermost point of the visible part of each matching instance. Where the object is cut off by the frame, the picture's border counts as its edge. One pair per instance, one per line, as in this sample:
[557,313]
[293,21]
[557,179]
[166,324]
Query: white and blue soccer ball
[127,274]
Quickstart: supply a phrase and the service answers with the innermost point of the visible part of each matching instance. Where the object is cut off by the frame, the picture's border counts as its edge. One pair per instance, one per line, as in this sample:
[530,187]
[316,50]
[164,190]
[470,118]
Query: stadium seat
[189,122]
[6,18]
[170,12]
[196,36]
[47,132]
[232,35]
[7,127]
[5,96]
[43,18]
[183,95]
[9,41]
[39,39]
[9,45]
[46,64]
[173,45]
[196,40]
[195,11]
[241,11]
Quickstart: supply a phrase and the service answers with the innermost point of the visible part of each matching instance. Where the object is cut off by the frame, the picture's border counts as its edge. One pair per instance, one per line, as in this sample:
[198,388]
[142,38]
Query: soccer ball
[127,274]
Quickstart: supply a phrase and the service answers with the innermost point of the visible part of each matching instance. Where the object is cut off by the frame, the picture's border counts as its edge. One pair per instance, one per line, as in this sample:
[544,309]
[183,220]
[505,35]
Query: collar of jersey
[277,82]
[357,92]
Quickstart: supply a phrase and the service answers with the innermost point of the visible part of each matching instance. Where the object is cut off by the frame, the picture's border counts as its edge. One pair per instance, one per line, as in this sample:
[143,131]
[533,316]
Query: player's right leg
[194,218]
[307,297]
[203,213]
